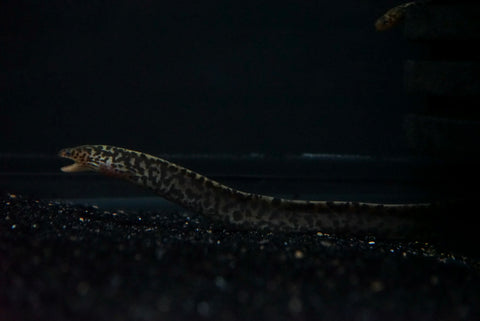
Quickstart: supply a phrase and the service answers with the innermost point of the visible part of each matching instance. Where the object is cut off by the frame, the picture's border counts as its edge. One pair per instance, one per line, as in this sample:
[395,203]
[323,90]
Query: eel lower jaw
[75,167]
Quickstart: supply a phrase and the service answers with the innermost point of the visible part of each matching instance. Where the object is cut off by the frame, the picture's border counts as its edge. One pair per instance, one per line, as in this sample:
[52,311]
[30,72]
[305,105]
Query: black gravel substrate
[63,262]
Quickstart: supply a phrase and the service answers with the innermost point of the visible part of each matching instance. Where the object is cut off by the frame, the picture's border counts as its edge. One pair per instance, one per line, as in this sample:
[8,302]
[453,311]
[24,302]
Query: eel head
[82,157]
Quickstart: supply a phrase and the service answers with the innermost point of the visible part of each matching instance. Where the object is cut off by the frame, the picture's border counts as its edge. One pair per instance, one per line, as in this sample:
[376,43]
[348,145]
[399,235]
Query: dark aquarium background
[239,90]
[275,77]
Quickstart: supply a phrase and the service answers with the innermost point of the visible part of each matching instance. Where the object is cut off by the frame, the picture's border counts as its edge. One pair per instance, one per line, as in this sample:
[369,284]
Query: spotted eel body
[245,210]
[393,16]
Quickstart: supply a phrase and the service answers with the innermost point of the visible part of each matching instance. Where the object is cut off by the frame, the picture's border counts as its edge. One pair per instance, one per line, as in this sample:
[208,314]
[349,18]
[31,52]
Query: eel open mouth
[77,166]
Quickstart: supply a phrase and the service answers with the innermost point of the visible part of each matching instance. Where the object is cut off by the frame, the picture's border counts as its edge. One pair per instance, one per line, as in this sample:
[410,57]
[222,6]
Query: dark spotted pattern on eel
[245,210]
[393,16]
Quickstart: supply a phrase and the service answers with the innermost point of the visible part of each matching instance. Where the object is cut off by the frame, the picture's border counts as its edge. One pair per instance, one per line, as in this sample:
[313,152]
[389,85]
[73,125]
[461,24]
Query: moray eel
[393,16]
[246,210]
